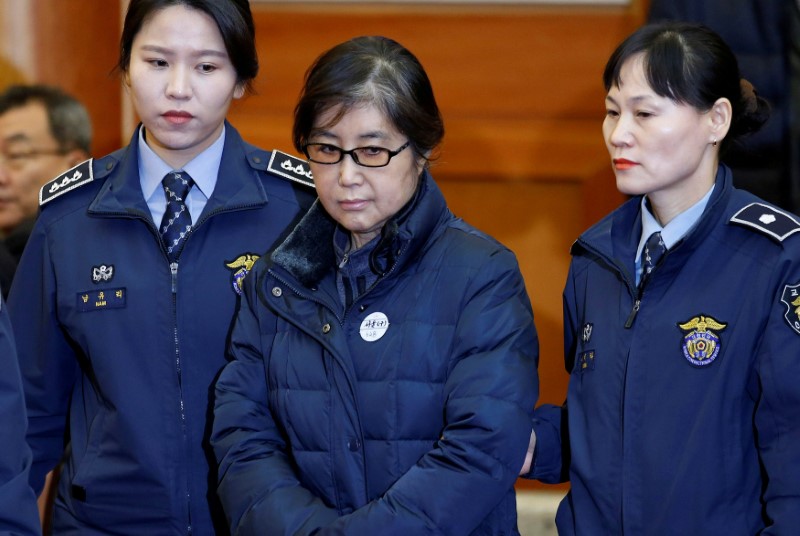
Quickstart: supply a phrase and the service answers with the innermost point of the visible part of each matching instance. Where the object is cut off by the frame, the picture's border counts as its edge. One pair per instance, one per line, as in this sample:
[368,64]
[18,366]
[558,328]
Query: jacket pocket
[83,462]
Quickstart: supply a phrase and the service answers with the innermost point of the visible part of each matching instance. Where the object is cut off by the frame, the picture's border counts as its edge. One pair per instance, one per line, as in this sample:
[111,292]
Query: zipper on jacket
[635,291]
[631,317]
[637,302]
[173,268]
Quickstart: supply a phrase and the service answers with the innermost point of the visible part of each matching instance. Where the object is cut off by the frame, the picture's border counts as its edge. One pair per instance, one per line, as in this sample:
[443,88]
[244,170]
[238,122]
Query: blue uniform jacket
[406,413]
[18,514]
[125,348]
[684,415]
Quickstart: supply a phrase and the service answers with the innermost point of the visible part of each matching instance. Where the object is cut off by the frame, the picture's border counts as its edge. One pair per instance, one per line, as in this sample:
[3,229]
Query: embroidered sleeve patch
[791,299]
[769,220]
[290,167]
[69,180]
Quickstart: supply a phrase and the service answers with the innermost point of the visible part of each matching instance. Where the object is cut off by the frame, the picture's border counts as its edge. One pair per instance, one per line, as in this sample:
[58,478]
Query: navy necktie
[177,221]
[652,252]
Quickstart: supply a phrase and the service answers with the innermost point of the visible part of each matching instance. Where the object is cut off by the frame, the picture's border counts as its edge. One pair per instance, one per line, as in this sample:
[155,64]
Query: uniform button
[257,159]
[326,328]
[109,165]
[277,292]
[362,307]
[354,445]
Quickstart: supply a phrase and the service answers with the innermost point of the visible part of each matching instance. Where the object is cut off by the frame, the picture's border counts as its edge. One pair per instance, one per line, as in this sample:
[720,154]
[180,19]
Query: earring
[714,143]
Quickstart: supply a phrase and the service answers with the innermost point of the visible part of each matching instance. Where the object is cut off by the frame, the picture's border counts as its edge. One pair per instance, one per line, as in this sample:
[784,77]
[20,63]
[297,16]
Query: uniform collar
[676,229]
[203,169]
[238,185]
[616,236]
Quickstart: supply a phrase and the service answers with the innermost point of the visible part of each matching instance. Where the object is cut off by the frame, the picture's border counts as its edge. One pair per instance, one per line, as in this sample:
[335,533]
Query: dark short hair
[371,70]
[67,118]
[233,18]
[690,64]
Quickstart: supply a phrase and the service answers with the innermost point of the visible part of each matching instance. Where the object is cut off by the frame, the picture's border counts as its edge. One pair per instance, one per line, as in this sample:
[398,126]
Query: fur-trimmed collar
[308,254]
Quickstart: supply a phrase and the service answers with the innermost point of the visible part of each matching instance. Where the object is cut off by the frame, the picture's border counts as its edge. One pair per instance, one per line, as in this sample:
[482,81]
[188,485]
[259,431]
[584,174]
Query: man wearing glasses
[43,131]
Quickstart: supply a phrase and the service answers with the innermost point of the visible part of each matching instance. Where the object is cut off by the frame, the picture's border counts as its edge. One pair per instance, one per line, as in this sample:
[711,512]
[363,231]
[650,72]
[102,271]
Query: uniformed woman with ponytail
[124,296]
[682,332]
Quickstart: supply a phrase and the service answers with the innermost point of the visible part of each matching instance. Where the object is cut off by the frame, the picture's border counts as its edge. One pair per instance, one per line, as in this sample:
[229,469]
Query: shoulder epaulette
[290,167]
[769,220]
[69,180]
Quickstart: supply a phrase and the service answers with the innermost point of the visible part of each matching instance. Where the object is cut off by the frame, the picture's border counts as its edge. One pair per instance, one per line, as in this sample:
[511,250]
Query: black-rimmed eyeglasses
[370,156]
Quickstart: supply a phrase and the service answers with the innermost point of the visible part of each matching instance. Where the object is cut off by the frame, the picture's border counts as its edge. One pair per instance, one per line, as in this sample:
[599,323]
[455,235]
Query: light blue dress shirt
[203,169]
[673,232]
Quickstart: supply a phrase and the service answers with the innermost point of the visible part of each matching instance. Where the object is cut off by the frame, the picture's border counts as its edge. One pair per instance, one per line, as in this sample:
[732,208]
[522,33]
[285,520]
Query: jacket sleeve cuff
[548,458]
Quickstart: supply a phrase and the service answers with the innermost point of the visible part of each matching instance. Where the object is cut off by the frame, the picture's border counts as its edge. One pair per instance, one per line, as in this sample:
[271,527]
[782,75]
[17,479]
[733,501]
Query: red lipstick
[622,163]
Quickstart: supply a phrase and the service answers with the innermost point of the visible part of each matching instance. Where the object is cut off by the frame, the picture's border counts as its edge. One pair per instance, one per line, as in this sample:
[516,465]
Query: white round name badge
[374,326]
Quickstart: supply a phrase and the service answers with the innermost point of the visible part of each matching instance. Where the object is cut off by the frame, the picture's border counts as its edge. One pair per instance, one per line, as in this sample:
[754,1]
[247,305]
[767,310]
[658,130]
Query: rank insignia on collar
[290,167]
[791,299]
[104,272]
[701,345]
[241,267]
